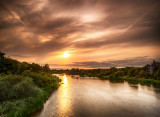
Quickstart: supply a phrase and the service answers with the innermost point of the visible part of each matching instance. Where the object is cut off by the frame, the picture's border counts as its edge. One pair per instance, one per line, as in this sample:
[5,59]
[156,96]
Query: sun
[65,54]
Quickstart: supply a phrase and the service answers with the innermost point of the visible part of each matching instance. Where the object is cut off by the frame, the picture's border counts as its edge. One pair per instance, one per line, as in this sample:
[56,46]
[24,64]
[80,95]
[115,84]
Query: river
[92,97]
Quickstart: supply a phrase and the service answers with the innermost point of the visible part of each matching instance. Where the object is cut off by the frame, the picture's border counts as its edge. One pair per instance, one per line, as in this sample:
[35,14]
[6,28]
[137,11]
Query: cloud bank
[92,30]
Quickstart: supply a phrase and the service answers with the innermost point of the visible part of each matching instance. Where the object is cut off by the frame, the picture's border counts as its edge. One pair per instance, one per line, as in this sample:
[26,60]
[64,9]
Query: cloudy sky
[95,33]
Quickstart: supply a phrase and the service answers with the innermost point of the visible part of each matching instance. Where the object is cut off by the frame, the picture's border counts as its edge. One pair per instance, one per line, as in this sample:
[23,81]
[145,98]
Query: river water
[92,97]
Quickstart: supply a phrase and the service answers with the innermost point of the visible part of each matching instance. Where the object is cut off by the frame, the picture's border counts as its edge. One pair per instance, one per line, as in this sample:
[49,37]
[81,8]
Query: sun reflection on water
[64,98]
[65,80]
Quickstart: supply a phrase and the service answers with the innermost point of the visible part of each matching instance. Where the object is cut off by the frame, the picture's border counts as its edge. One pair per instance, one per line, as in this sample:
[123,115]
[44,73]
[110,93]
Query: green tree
[35,67]
[22,67]
[131,72]
[17,87]
[119,74]
[3,63]
[143,74]
[136,72]
[46,68]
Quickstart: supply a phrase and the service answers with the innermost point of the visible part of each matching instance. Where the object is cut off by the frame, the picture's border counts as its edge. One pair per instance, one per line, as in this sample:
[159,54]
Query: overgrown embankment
[133,80]
[22,95]
[24,87]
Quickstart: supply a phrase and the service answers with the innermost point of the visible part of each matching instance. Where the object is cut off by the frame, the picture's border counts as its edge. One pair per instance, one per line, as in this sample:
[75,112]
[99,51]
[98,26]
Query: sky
[92,33]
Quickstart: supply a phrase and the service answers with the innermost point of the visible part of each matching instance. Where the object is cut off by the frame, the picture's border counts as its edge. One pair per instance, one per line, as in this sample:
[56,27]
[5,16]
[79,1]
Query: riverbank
[130,74]
[133,80]
[22,95]
[24,87]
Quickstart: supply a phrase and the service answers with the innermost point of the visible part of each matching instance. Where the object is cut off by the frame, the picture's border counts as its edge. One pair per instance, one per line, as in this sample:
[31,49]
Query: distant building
[150,68]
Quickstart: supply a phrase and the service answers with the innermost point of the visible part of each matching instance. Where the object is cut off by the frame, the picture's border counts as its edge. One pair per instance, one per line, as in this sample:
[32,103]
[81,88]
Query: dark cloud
[86,64]
[5,25]
[134,62]
[129,62]
[138,37]
[35,28]
[91,64]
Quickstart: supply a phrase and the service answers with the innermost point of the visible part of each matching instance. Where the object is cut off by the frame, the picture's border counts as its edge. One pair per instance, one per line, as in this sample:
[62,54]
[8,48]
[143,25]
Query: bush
[132,80]
[144,74]
[105,77]
[22,107]
[42,79]
[19,96]
[23,93]
[17,87]
[26,89]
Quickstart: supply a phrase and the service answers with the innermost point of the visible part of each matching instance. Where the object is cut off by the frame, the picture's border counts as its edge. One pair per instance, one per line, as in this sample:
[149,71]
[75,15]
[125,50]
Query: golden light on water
[65,54]
[65,79]
[64,98]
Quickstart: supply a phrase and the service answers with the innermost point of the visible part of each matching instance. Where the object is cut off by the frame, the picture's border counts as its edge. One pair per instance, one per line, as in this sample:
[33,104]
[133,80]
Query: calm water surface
[92,97]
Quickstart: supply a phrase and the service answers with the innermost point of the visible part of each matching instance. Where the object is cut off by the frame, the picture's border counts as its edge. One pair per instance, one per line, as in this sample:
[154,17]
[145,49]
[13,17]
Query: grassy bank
[23,94]
[133,80]
[24,87]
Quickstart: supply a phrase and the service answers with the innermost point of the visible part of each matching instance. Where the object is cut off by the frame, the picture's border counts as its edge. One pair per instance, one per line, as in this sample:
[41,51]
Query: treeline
[24,87]
[113,72]
[133,75]
[11,66]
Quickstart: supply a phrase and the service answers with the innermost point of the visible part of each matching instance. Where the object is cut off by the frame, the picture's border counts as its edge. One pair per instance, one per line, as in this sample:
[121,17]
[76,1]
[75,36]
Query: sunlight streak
[65,106]
[65,79]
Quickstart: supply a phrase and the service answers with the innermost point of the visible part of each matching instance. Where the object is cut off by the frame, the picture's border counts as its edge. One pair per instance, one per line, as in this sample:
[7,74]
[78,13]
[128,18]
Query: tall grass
[22,95]
[133,80]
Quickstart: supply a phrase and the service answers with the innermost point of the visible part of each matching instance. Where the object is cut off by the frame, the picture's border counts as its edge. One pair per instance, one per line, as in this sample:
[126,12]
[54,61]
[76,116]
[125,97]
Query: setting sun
[65,54]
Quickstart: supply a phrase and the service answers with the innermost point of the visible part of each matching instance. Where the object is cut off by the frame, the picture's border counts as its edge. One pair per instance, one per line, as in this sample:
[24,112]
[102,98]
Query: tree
[7,64]
[143,74]
[35,67]
[46,68]
[2,55]
[136,72]
[3,67]
[119,74]
[22,67]
[113,69]
[74,71]
[131,72]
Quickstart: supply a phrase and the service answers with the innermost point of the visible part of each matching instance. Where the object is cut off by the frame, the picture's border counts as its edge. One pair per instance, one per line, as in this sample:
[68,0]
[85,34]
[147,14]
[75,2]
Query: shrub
[17,87]
[42,79]
[25,89]
[22,107]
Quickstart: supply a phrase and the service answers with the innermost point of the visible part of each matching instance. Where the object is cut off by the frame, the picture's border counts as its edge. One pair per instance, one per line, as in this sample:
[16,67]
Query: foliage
[20,96]
[132,75]
[46,68]
[22,107]
[119,73]
[42,79]
[131,72]
[112,72]
[8,65]
[17,87]
[23,86]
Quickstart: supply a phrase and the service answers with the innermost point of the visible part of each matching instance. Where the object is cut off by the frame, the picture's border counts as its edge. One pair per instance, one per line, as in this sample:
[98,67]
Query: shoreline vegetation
[24,87]
[130,74]
[135,81]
